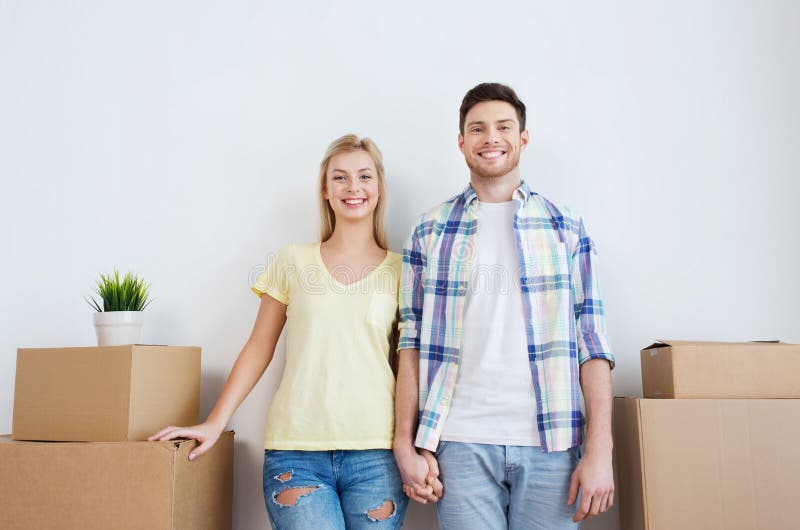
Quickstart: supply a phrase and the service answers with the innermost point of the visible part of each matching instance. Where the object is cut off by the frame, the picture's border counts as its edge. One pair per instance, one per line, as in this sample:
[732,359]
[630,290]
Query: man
[501,335]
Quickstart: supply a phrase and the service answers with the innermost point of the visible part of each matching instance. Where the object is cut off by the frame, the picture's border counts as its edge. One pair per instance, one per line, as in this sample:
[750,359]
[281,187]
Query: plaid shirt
[561,300]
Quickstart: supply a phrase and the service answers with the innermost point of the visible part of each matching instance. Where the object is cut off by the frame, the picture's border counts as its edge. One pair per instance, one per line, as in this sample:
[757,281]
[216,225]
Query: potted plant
[120,318]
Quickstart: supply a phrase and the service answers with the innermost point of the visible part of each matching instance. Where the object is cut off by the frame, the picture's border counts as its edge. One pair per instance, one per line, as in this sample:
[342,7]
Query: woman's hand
[205,433]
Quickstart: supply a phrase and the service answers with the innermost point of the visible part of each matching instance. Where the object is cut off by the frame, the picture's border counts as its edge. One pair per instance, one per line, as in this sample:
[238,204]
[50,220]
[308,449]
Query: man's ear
[461,143]
[524,138]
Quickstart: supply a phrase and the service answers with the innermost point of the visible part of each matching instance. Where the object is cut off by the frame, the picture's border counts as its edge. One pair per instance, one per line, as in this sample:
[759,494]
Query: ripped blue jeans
[333,490]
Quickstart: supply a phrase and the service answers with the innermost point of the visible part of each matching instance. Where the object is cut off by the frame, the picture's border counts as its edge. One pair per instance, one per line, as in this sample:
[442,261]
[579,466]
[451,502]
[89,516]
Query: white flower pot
[115,328]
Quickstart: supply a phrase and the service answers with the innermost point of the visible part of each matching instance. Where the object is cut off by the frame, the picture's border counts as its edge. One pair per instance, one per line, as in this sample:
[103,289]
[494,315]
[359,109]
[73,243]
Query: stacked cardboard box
[78,458]
[720,452]
[115,485]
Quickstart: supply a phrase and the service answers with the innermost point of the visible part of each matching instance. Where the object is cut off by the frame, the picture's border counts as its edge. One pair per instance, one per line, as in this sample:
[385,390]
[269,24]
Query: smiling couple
[501,341]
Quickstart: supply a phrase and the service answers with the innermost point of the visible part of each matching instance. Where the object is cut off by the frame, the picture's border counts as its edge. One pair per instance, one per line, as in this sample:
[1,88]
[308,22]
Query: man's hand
[420,474]
[594,476]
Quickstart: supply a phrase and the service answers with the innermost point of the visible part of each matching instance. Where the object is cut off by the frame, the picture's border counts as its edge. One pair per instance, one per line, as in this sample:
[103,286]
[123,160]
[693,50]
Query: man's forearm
[406,400]
[597,394]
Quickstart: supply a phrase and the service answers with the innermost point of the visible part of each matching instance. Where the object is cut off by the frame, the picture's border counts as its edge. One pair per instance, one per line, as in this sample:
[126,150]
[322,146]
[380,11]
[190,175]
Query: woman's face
[352,186]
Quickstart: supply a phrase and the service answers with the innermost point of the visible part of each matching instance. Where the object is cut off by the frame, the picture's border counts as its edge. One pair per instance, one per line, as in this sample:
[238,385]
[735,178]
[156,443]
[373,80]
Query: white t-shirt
[494,402]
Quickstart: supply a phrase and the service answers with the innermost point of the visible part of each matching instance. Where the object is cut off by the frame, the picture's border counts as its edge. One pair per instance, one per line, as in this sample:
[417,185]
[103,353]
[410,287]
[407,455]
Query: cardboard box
[119,485]
[707,464]
[754,370]
[104,394]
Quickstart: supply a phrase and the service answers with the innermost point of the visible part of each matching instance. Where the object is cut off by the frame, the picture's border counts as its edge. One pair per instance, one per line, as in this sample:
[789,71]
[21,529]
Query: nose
[492,136]
[353,184]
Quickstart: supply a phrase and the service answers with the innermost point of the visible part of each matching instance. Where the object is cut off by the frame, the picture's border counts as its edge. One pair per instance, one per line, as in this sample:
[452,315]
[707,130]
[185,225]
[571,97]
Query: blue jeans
[333,490]
[505,486]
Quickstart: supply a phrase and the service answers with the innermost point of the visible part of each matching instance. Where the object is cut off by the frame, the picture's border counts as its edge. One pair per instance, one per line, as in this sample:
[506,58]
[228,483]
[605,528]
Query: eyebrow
[344,171]
[470,124]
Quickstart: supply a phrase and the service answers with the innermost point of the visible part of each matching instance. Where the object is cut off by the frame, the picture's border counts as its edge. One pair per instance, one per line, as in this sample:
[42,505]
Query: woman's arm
[247,370]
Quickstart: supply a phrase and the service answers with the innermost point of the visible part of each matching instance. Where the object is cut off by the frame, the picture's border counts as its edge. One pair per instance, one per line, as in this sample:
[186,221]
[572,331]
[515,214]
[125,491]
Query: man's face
[492,141]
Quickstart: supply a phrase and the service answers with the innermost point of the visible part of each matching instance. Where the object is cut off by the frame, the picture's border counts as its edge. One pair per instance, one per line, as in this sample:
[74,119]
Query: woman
[328,462]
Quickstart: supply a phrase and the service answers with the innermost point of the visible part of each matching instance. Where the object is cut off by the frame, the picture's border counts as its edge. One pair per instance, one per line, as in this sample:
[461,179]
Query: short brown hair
[491,92]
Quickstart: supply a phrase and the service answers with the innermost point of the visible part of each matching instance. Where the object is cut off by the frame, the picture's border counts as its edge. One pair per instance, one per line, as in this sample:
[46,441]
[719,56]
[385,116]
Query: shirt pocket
[382,311]
[547,268]
[549,258]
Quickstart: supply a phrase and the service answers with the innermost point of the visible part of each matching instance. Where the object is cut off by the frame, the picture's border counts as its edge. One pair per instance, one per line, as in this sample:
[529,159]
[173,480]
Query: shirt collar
[521,194]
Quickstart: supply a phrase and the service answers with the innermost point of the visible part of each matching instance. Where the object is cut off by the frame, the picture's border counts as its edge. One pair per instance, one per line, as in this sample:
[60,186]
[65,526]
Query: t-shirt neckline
[318,253]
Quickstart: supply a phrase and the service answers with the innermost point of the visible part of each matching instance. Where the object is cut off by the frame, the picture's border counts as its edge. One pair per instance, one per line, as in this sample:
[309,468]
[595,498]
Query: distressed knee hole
[382,512]
[289,496]
[284,477]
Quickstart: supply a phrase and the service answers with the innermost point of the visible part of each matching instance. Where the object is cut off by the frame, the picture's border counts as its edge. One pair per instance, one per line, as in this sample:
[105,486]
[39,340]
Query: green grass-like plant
[121,294]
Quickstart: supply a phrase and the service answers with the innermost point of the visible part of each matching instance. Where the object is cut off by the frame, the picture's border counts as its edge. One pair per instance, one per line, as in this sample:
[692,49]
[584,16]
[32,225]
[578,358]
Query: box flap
[657,344]
[204,487]
[709,343]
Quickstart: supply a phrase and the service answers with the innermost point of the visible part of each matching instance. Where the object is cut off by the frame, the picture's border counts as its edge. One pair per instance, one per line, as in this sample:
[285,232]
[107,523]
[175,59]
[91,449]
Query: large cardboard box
[756,370]
[119,485]
[707,464]
[104,394]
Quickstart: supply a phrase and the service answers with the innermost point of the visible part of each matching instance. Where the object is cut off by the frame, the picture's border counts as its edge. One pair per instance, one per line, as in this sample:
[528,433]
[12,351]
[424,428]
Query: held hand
[205,433]
[433,473]
[414,472]
[594,476]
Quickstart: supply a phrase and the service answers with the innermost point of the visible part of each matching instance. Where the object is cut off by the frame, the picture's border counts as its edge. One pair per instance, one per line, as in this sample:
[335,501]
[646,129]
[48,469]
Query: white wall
[181,140]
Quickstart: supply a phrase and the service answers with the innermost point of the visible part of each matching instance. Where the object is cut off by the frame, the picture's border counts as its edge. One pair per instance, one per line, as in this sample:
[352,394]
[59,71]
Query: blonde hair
[348,144]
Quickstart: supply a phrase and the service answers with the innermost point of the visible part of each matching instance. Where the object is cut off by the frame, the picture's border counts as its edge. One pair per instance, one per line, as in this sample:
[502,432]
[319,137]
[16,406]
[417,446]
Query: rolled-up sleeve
[411,291]
[588,305]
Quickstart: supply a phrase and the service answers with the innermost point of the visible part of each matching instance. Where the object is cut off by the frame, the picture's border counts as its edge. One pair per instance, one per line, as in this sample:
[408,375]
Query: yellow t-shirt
[337,390]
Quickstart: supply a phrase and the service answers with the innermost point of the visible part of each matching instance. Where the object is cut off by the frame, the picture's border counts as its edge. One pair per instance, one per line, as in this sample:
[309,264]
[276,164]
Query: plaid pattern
[561,300]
